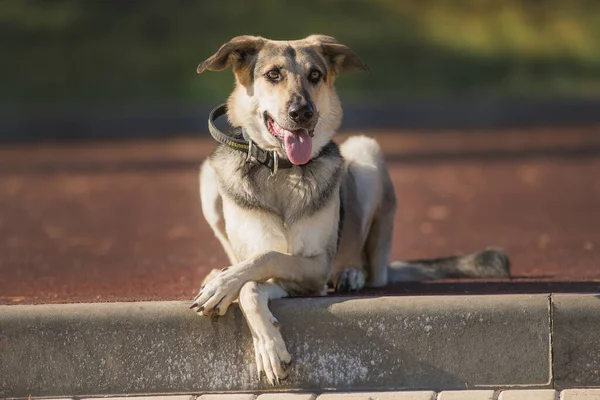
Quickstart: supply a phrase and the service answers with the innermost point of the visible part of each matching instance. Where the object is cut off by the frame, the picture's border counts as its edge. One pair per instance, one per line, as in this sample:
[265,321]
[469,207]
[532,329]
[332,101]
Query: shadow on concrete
[487,287]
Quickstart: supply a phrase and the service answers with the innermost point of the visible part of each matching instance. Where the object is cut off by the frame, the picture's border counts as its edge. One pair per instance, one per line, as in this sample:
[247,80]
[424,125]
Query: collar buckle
[249,155]
[275,163]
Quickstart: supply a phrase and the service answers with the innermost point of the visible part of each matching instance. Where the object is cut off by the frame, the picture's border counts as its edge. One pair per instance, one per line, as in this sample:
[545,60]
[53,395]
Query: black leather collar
[235,139]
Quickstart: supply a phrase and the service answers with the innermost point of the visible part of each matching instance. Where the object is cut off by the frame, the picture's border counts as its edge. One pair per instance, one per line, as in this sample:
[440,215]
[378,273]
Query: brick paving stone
[174,397]
[467,395]
[379,396]
[580,394]
[287,396]
[529,394]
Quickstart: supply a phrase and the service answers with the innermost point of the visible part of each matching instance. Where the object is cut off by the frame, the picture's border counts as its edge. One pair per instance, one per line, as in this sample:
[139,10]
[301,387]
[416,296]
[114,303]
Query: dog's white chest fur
[252,233]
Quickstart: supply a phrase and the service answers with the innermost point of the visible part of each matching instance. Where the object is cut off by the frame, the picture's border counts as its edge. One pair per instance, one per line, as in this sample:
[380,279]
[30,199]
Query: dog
[293,211]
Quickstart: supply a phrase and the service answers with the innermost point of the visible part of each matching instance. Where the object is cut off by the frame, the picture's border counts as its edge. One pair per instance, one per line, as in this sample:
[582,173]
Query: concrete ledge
[576,338]
[409,343]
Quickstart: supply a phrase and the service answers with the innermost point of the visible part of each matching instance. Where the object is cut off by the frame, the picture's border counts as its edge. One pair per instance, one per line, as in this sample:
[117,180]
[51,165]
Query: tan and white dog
[298,212]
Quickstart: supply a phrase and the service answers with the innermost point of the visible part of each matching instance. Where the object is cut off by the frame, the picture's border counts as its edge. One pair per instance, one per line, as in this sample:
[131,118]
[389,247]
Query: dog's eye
[273,75]
[315,76]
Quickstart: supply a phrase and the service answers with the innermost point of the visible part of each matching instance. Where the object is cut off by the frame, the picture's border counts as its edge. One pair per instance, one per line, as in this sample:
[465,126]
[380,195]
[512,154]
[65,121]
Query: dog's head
[284,96]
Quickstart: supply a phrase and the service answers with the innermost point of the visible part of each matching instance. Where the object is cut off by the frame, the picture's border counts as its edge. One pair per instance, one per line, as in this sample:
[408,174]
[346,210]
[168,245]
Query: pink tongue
[298,146]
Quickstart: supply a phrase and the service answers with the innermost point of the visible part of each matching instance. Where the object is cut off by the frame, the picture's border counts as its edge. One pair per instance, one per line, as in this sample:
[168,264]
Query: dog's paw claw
[218,294]
[272,359]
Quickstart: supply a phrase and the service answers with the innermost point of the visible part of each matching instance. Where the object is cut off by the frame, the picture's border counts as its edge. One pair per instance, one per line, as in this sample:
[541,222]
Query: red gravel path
[121,221]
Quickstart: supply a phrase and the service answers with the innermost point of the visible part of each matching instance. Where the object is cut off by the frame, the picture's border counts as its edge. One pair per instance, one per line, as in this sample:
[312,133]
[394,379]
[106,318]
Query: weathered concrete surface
[343,343]
[576,338]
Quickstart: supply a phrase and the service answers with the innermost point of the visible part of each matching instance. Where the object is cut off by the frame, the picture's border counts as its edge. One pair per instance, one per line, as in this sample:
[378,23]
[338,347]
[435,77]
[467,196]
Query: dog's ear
[340,57]
[236,52]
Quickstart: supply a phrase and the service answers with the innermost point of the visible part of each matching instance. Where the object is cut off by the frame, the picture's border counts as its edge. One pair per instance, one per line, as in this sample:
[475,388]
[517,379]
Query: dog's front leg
[215,298]
[271,355]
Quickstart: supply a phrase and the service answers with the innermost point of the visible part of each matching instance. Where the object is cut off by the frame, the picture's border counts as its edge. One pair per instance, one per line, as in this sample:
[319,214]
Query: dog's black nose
[301,114]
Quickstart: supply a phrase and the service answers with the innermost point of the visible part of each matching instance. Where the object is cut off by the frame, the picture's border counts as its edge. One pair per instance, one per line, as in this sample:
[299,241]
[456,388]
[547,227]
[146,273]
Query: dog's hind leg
[362,190]
[379,241]
[348,269]
[272,357]
[212,207]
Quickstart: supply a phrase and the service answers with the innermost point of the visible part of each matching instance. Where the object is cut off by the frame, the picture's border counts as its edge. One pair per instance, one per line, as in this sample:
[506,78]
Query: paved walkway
[121,220]
[509,394]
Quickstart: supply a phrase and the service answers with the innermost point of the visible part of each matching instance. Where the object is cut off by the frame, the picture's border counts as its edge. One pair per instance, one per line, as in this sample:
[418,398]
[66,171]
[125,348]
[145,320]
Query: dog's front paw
[349,280]
[211,275]
[272,358]
[217,295]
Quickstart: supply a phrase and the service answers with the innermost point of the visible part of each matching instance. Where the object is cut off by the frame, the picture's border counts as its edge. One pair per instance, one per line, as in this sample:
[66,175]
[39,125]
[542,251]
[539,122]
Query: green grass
[78,53]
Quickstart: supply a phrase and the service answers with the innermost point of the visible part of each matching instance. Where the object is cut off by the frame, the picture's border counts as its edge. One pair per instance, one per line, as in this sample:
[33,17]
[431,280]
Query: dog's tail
[488,263]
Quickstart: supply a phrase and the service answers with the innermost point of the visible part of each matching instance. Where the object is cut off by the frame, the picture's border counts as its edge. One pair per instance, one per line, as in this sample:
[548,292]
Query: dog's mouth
[297,143]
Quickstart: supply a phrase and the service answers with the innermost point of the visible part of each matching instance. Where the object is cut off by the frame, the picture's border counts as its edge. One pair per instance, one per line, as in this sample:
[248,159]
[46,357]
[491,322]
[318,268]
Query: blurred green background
[144,53]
